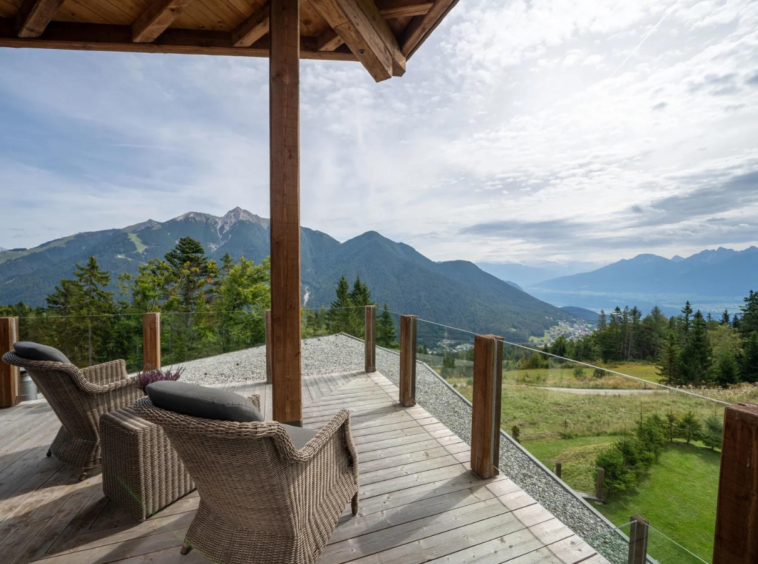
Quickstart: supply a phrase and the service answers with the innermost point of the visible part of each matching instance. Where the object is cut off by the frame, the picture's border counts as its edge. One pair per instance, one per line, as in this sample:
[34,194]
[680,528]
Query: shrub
[599,373]
[618,476]
[713,433]
[689,428]
[516,433]
[534,362]
[147,377]
[651,434]
[579,373]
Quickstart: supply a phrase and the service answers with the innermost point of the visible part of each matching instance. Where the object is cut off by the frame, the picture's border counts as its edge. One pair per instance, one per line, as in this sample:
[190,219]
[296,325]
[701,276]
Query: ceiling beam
[421,26]
[156,19]
[400,8]
[253,28]
[118,38]
[34,16]
[328,40]
[362,28]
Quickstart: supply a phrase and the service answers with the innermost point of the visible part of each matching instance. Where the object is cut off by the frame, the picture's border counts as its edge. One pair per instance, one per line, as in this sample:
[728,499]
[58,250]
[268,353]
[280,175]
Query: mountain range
[712,280]
[456,293]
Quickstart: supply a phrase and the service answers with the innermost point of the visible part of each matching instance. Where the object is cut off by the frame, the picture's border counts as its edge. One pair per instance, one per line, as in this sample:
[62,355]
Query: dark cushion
[34,351]
[198,401]
[299,435]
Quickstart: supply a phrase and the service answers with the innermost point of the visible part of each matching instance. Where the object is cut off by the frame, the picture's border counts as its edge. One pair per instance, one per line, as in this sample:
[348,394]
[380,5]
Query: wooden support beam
[118,38]
[487,397]
[253,28]
[407,383]
[328,40]
[34,16]
[151,341]
[403,8]
[638,535]
[9,375]
[269,349]
[156,19]
[284,122]
[361,26]
[737,508]
[369,338]
[421,27]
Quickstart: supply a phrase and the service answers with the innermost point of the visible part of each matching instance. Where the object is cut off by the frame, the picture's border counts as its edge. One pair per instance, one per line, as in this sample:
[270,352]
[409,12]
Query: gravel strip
[321,355]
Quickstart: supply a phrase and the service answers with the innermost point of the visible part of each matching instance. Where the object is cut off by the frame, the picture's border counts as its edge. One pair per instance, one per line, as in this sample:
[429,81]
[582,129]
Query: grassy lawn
[678,497]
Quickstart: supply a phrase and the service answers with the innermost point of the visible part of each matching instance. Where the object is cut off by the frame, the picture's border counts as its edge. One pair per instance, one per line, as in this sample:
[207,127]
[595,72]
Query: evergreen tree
[686,322]
[749,372]
[736,321]
[727,370]
[713,433]
[602,323]
[672,423]
[697,356]
[725,319]
[668,362]
[191,270]
[340,311]
[749,321]
[385,329]
[689,428]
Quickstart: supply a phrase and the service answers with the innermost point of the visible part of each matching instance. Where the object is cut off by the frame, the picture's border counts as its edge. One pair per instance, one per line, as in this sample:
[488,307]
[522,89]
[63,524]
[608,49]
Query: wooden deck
[419,501]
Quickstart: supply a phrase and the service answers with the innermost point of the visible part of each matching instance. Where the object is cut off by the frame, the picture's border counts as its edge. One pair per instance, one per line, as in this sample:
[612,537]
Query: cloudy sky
[568,130]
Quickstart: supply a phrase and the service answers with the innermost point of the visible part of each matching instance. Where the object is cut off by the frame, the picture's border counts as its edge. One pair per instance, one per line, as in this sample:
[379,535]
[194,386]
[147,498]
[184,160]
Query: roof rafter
[253,28]
[400,8]
[156,19]
[421,26]
[34,16]
[361,26]
[104,37]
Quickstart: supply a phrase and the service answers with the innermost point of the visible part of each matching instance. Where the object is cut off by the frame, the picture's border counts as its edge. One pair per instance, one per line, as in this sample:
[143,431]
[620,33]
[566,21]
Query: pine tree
[727,370]
[749,372]
[697,356]
[602,323]
[713,433]
[749,322]
[668,362]
[725,320]
[686,324]
[385,329]
[192,271]
[340,312]
[671,426]
[689,428]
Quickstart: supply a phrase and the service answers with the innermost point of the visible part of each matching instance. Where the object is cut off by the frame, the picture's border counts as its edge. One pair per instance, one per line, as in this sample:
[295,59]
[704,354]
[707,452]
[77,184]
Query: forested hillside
[456,293]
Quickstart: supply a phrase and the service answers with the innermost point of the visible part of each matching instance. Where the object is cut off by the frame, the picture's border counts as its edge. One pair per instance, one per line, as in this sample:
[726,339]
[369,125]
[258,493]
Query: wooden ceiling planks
[381,34]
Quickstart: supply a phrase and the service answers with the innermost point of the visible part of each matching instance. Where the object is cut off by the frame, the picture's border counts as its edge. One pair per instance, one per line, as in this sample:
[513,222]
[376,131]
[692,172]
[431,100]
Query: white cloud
[542,111]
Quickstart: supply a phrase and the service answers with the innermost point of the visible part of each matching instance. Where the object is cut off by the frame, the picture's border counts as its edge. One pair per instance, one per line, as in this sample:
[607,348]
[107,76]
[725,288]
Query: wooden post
[151,341]
[408,360]
[284,123]
[599,483]
[269,349]
[558,468]
[737,508]
[9,375]
[370,338]
[485,421]
[638,534]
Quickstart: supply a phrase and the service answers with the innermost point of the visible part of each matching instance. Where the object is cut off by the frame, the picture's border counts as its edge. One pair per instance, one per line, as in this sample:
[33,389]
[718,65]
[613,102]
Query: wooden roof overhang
[381,34]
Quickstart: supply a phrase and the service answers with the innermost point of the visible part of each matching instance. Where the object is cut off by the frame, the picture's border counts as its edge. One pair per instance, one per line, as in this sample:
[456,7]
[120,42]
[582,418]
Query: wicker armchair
[79,398]
[261,500]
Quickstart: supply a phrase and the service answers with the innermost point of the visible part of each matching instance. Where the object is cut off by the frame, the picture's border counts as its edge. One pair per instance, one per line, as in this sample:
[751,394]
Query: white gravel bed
[439,399]
[321,355]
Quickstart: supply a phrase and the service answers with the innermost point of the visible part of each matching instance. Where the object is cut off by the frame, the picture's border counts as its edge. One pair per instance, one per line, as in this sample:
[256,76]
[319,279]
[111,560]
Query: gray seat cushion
[299,435]
[34,351]
[199,401]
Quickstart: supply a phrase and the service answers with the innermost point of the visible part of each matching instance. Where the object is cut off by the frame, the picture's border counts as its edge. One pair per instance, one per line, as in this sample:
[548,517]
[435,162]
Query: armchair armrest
[339,424]
[106,373]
